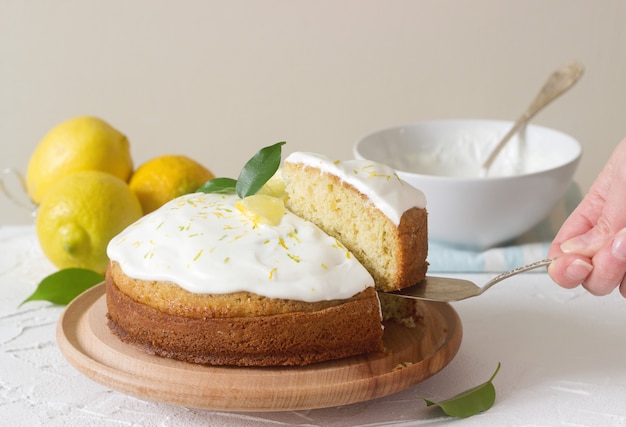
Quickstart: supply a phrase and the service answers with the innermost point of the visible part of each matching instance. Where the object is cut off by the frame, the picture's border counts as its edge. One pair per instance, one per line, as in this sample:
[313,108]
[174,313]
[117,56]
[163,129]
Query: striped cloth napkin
[529,247]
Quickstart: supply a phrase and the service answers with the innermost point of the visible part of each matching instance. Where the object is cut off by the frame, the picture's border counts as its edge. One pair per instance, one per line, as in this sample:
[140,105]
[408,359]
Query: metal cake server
[446,289]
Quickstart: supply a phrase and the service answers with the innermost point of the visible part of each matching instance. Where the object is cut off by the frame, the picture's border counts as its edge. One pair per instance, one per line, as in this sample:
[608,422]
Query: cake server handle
[447,289]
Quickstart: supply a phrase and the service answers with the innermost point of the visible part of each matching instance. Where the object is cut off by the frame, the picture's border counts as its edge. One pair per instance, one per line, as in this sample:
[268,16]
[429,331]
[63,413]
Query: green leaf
[65,285]
[470,402]
[219,185]
[256,172]
[259,169]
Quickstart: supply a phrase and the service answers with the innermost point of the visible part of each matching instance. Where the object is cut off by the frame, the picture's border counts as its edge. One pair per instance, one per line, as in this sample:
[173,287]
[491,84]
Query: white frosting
[205,245]
[378,182]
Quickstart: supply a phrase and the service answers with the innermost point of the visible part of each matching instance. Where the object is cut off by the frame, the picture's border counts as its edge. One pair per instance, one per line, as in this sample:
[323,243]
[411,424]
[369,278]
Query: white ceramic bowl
[443,158]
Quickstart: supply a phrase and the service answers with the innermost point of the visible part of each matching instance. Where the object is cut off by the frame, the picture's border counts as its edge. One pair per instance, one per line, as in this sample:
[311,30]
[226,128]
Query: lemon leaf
[255,173]
[259,169]
[219,185]
[470,402]
[63,286]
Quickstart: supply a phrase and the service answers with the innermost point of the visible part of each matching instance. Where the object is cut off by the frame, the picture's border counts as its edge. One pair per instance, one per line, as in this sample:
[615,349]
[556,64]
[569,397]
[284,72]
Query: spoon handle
[559,81]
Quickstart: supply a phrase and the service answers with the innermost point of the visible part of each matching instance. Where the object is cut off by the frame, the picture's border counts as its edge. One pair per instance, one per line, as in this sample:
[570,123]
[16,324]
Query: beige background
[218,80]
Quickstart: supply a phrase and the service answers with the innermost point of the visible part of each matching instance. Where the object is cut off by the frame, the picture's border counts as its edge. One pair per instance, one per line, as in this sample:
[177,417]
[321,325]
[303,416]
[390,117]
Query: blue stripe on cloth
[531,246]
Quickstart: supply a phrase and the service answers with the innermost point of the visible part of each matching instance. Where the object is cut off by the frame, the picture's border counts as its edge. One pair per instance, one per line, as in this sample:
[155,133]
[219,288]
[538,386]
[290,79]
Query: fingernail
[574,245]
[619,245]
[578,270]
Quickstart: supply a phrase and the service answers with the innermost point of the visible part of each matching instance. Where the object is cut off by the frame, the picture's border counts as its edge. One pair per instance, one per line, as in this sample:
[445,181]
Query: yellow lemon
[275,187]
[164,178]
[262,209]
[81,143]
[80,214]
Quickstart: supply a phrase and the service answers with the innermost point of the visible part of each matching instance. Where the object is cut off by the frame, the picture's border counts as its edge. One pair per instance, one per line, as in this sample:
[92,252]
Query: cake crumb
[401,366]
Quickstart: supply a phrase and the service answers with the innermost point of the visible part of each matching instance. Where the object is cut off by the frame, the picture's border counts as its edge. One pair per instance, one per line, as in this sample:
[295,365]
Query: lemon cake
[381,219]
[199,281]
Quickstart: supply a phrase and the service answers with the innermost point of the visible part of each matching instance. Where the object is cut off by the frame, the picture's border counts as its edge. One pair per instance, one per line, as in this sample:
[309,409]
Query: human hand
[591,244]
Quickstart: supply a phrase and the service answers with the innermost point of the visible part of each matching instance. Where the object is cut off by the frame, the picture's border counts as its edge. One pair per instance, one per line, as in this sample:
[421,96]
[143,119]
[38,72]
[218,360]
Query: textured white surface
[562,355]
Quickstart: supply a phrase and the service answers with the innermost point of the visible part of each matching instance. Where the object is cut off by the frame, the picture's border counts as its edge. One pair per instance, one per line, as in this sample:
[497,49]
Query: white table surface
[563,355]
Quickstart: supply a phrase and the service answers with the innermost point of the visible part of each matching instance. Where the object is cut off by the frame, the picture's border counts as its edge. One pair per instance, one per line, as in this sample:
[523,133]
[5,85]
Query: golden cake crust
[341,329]
[172,299]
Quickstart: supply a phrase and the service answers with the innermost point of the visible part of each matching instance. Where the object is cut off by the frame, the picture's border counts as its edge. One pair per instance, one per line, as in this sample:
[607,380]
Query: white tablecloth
[563,356]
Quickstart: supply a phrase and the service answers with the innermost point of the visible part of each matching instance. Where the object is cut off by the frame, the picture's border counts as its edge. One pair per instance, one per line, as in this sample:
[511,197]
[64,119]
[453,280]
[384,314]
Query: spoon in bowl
[446,289]
[559,81]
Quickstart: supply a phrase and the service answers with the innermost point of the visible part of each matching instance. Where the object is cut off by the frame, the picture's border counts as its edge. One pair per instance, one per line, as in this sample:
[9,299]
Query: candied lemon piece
[262,209]
[275,187]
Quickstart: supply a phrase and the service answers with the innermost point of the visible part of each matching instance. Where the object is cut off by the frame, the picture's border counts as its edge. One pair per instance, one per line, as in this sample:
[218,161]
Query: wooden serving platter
[413,355]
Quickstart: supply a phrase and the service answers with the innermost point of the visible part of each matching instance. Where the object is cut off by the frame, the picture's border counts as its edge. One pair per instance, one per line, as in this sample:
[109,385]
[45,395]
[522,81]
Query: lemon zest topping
[281,242]
[294,235]
[296,258]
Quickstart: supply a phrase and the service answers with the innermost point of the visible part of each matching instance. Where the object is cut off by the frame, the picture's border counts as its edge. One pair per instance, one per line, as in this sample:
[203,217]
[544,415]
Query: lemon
[81,143]
[275,187]
[262,209]
[80,214]
[164,178]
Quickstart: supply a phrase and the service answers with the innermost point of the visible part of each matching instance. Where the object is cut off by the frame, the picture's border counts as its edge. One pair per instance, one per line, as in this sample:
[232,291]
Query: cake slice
[381,219]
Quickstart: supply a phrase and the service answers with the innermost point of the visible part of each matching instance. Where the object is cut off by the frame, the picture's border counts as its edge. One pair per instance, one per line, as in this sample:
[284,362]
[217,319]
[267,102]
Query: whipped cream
[378,182]
[204,244]
[462,155]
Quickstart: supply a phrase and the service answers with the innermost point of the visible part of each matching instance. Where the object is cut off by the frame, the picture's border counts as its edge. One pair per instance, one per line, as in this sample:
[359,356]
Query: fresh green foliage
[255,173]
[219,185]
[470,402]
[259,169]
[65,285]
